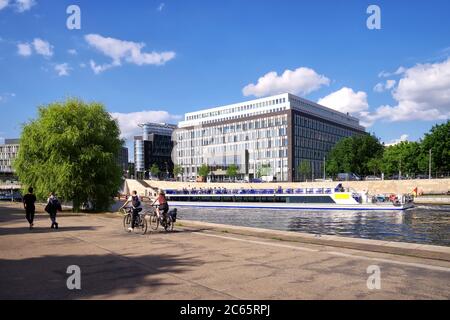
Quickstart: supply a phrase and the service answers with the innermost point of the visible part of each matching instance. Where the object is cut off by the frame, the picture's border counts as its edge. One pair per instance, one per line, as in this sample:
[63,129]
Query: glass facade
[153,147]
[264,137]
[250,144]
[313,138]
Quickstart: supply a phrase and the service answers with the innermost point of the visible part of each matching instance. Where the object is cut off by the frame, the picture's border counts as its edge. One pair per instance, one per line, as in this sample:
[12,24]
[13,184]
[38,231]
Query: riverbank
[201,261]
[433,200]
[418,250]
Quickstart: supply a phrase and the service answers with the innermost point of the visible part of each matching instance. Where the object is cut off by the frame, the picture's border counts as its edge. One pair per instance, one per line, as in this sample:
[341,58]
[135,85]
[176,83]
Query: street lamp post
[429,165]
[324,169]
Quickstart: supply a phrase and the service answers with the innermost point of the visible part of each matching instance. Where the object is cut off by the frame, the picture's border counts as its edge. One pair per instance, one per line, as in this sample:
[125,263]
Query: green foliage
[375,165]
[263,170]
[406,157]
[177,170]
[204,171]
[232,170]
[364,155]
[304,169]
[353,154]
[154,170]
[71,148]
[438,140]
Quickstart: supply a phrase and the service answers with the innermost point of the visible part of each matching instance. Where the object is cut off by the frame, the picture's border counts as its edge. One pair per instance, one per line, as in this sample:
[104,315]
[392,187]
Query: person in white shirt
[135,201]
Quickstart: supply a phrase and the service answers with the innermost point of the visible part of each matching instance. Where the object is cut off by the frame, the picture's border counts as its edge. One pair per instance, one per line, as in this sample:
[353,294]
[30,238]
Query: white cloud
[422,94]
[99,68]
[346,100]
[403,137]
[128,51]
[161,7]
[5,96]
[399,71]
[72,52]
[301,81]
[62,69]
[3,4]
[19,5]
[43,47]
[128,122]
[24,5]
[388,85]
[24,49]
[379,87]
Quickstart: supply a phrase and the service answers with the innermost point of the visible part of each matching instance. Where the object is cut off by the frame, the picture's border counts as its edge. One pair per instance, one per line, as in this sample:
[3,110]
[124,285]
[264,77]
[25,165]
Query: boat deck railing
[279,191]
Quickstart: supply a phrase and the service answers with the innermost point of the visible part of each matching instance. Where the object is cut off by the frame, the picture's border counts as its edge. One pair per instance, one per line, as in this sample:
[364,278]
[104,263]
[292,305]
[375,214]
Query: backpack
[173,215]
[135,201]
[53,206]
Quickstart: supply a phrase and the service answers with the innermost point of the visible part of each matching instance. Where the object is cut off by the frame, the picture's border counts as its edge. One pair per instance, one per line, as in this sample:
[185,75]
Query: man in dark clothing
[28,203]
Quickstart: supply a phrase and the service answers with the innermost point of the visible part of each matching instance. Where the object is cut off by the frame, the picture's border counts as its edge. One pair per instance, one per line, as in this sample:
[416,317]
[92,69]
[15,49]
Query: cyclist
[163,206]
[136,206]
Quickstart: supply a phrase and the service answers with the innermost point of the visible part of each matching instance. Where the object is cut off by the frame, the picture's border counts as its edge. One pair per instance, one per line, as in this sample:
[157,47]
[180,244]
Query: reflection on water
[423,224]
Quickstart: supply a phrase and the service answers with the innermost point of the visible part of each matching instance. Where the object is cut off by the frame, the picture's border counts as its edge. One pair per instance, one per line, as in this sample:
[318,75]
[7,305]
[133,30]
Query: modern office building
[122,159]
[269,136]
[153,147]
[8,152]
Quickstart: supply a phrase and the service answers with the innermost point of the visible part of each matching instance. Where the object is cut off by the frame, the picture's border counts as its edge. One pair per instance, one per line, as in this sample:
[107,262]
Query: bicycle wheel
[142,225]
[154,221]
[127,222]
[169,224]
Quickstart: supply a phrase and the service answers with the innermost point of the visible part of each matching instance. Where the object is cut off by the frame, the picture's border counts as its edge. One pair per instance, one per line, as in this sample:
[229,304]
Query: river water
[423,224]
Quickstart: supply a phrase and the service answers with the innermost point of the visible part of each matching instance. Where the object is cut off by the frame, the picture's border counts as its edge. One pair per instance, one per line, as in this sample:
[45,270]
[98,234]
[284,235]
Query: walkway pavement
[195,263]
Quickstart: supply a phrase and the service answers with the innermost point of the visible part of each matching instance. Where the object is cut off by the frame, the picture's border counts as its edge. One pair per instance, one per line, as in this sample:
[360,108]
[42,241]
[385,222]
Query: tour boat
[288,199]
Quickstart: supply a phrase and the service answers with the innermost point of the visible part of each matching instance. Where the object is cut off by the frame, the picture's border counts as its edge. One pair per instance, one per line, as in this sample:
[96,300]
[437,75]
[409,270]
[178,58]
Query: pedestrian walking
[52,208]
[28,203]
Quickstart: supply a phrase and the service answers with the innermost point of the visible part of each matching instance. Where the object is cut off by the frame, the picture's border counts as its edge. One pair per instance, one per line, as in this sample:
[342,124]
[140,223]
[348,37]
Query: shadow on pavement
[108,276]
[26,230]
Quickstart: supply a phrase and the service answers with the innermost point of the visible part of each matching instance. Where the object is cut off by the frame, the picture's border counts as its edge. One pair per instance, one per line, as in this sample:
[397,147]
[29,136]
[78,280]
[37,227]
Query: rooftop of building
[266,105]
[158,125]
[10,142]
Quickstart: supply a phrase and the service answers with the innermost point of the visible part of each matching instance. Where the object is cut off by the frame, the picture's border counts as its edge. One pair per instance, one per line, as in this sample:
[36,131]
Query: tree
[352,154]
[406,157]
[263,170]
[203,171]
[154,170]
[438,140]
[71,149]
[177,170]
[375,165]
[232,171]
[304,169]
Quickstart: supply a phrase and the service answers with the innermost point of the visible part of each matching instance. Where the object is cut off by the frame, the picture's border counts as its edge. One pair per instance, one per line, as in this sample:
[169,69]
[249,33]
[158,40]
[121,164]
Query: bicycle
[165,220]
[140,223]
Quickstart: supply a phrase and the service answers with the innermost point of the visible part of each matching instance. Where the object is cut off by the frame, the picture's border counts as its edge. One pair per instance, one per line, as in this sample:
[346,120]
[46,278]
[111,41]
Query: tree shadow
[105,276]
[26,230]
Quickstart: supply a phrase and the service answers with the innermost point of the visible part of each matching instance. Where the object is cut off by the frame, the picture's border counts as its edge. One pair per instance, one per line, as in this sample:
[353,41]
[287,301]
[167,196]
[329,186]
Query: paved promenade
[196,262]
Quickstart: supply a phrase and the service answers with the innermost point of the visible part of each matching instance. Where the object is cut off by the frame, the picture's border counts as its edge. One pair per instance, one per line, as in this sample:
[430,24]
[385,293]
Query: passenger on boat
[339,188]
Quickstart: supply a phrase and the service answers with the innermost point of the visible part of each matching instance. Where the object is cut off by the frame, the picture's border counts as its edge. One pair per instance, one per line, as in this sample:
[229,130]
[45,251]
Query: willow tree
[71,149]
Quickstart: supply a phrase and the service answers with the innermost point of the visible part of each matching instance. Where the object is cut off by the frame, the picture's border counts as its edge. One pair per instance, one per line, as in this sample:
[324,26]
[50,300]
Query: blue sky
[204,53]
